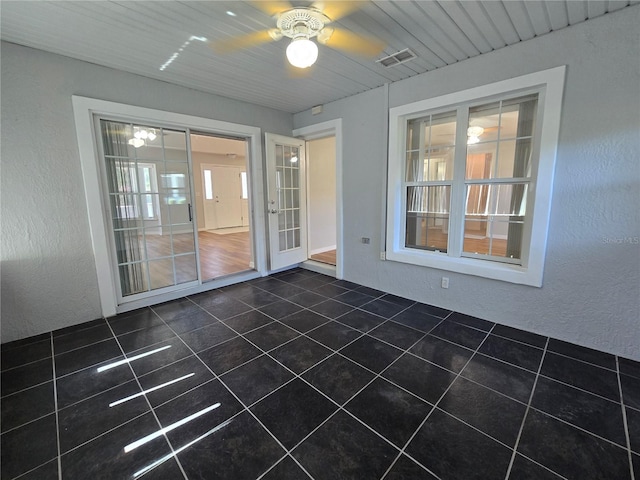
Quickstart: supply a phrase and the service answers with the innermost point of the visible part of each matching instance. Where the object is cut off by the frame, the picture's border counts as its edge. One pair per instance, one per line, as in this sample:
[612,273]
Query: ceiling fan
[301,25]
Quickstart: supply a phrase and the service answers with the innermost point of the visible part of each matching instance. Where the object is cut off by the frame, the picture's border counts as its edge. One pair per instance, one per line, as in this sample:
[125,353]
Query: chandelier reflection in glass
[141,135]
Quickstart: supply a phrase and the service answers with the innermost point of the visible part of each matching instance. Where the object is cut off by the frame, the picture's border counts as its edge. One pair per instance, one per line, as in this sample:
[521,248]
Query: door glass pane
[288,191]
[149,194]
[427,218]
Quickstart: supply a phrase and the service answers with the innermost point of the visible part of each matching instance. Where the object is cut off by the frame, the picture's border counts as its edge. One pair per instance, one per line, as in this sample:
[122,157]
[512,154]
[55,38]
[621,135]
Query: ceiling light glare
[151,135]
[475,131]
[302,52]
[230,13]
[136,142]
[472,140]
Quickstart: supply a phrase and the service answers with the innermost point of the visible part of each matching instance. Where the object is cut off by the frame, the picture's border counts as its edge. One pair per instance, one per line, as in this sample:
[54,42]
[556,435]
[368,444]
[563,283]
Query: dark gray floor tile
[372,292]
[48,471]
[407,469]
[440,352]
[346,284]
[389,410]
[516,353]
[76,328]
[470,321]
[630,391]
[208,336]
[185,375]
[157,356]
[635,459]
[451,449]
[143,338]
[248,321]
[511,381]
[307,299]
[371,353]
[105,457]
[26,376]
[353,298]
[300,354]
[281,309]
[338,378]
[28,353]
[82,338]
[331,308]
[85,420]
[28,447]
[238,290]
[403,302]
[313,282]
[228,355]
[633,423]
[224,307]
[285,290]
[178,309]
[144,318]
[587,411]
[422,378]
[525,469]
[601,359]
[429,310]
[494,414]
[304,320]
[243,450]
[571,452]
[334,335]
[271,336]
[259,298]
[629,367]
[85,383]
[395,334]
[27,405]
[382,308]
[293,411]
[329,290]
[88,356]
[453,332]
[287,469]
[420,321]
[5,347]
[343,448]
[361,320]
[195,320]
[197,401]
[255,379]
[520,335]
[579,374]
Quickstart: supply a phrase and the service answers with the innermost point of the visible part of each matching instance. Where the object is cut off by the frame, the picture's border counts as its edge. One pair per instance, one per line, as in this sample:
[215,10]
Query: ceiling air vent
[397,58]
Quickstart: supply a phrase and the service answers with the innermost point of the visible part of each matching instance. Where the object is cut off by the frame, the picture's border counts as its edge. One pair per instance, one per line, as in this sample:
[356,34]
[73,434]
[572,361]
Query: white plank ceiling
[142,36]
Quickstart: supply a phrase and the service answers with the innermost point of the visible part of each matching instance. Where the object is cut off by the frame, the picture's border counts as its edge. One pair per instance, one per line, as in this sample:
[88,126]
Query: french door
[148,184]
[286,203]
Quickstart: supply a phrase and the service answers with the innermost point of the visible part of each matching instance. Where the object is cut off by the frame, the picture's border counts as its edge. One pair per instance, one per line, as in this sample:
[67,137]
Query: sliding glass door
[149,188]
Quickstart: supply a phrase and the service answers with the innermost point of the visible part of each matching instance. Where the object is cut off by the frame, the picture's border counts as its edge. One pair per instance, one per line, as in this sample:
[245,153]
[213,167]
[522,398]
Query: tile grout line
[55,406]
[149,405]
[624,419]
[526,412]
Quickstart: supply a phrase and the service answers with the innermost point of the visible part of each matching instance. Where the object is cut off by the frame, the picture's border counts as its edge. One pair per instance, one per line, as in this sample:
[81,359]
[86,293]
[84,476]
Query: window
[470,178]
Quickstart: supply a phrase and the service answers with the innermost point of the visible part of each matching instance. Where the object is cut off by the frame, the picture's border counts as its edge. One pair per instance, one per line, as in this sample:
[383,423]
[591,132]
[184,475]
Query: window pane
[493,236]
[480,161]
[208,185]
[430,158]
[427,217]
[245,188]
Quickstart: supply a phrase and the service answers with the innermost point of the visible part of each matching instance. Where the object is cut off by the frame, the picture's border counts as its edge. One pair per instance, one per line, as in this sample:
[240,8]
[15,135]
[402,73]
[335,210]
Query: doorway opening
[321,199]
[222,200]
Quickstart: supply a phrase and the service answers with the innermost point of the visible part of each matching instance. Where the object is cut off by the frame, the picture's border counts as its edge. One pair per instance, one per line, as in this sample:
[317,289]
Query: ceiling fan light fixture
[475,131]
[302,52]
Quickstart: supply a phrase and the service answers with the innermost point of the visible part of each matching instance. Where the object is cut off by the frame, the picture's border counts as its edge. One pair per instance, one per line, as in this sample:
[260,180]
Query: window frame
[549,84]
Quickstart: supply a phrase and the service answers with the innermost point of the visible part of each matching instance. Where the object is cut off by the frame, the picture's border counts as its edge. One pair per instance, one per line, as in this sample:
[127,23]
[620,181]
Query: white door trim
[321,130]
[85,109]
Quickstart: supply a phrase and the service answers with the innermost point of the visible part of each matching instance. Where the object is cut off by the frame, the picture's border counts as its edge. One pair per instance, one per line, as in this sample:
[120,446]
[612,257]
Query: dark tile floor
[301,376]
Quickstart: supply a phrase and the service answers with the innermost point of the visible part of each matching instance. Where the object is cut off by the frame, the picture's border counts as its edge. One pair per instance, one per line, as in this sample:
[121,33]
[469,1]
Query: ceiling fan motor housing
[302,21]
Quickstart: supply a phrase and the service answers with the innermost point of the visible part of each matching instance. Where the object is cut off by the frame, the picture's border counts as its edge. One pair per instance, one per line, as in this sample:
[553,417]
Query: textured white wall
[321,193]
[591,290]
[48,274]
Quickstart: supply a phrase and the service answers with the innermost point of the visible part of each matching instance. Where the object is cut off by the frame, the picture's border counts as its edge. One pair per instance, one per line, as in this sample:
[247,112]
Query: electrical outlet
[383,256]
[445,282]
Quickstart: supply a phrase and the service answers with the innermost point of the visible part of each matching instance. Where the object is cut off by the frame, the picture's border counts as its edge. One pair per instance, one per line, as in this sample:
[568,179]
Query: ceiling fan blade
[272,8]
[243,41]
[335,10]
[350,42]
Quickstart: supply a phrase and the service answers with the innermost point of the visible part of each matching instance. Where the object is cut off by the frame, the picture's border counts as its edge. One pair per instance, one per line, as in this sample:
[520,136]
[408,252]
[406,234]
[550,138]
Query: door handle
[190,214]
[273,210]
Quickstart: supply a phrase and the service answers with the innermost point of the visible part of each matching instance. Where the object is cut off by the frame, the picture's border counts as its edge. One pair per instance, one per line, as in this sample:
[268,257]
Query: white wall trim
[321,130]
[85,109]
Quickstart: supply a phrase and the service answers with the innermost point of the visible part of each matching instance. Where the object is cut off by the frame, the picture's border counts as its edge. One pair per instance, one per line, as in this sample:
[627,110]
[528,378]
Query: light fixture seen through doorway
[141,135]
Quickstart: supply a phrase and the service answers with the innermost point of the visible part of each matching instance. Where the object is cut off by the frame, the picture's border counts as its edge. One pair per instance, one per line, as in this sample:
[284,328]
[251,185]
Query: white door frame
[85,110]
[328,129]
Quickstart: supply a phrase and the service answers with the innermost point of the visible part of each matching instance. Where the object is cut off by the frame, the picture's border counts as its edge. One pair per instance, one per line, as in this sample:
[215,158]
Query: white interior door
[227,195]
[286,203]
